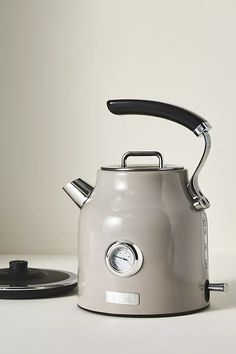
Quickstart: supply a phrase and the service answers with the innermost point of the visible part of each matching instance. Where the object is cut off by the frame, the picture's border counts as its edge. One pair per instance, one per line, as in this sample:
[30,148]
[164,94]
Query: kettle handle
[198,125]
[190,120]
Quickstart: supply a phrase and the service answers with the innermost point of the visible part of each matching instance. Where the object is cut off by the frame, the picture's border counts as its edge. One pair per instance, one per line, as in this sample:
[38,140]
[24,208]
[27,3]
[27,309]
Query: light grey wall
[59,63]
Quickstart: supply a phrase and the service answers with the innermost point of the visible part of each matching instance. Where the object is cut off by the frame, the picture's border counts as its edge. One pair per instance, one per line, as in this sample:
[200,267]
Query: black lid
[18,281]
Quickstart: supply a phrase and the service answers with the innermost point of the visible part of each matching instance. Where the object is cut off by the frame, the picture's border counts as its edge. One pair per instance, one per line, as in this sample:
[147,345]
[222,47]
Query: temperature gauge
[124,258]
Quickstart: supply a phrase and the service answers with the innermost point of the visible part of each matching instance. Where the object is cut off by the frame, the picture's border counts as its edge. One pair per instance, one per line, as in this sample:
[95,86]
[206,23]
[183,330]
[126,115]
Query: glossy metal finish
[141,168]
[137,254]
[200,202]
[116,297]
[141,153]
[218,287]
[202,128]
[78,191]
[150,209]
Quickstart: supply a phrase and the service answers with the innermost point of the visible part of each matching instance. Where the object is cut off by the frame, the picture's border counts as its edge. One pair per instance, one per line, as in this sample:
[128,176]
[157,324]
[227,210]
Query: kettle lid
[21,282]
[143,167]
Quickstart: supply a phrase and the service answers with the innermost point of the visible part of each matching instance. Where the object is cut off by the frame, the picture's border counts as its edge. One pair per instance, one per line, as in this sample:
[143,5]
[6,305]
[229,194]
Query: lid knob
[141,153]
[18,266]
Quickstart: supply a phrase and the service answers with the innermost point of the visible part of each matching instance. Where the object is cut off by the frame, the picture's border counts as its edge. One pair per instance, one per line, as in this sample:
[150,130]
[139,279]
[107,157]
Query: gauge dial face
[124,259]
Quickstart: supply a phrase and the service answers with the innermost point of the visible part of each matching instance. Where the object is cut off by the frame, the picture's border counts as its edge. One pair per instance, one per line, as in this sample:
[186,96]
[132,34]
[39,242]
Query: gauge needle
[122,258]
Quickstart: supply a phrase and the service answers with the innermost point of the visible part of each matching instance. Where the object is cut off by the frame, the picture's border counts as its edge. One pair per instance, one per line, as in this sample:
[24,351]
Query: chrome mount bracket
[199,200]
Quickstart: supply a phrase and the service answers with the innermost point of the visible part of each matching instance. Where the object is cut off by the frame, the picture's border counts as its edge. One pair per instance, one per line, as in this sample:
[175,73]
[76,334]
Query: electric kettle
[143,248]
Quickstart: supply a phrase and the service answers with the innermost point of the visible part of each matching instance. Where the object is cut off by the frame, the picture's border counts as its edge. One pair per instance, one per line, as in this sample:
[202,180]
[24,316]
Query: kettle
[143,248]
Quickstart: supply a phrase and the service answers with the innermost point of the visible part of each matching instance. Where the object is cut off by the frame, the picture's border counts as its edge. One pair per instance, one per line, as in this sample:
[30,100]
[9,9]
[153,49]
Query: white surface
[61,60]
[58,326]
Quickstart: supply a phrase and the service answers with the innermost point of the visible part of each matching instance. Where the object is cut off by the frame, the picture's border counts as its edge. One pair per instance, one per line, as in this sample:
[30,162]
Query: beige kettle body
[143,246]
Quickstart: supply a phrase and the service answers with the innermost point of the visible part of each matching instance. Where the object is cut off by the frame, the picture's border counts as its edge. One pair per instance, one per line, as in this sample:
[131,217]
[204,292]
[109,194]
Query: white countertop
[57,325]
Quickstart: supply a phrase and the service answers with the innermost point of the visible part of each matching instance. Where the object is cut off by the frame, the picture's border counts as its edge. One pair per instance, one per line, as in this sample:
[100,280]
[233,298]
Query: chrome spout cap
[79,191]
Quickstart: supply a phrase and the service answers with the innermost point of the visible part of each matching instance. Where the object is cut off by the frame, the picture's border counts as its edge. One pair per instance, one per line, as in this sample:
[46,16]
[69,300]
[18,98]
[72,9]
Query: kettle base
[157,315]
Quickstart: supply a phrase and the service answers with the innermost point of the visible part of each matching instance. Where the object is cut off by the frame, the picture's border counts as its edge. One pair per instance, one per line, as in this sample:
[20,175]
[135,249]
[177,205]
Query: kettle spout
[79,191]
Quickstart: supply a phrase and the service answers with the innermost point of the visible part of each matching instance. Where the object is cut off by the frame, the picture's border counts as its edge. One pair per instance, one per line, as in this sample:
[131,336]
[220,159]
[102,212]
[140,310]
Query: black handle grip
[176,114]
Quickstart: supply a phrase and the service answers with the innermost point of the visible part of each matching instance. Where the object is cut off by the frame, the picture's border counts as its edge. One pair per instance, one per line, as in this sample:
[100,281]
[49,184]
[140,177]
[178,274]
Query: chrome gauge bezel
[136,252]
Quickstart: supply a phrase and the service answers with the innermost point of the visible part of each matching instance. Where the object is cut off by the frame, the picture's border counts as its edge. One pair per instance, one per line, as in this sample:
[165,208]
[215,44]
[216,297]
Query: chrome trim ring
[142,168]
[137,255]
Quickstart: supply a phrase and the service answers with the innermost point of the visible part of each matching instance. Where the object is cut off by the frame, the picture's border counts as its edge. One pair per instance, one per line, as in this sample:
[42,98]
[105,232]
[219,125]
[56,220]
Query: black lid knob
[18,266]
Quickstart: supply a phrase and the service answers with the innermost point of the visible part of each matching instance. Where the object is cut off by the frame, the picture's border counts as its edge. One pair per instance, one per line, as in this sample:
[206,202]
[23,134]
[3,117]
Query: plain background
[60,60]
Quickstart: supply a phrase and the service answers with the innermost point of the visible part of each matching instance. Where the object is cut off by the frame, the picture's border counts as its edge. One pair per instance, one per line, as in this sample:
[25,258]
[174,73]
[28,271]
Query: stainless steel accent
[137,254]
[142,168]
[116,297]
[218,287]
[204,240]
[141,153]
[202,128]
[79,191]
[72,279]
[200,202]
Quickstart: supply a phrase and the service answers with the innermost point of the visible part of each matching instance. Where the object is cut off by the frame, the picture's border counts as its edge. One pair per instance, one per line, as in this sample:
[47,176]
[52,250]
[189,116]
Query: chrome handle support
[141,153]
[200,201]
